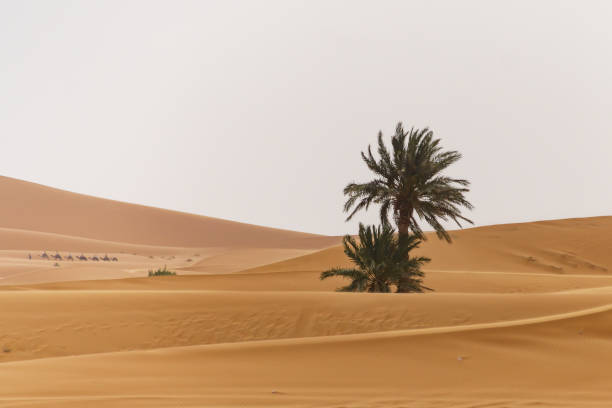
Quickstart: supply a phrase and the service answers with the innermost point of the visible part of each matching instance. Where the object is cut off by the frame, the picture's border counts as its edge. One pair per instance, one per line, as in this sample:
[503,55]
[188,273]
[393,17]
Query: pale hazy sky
[257,111]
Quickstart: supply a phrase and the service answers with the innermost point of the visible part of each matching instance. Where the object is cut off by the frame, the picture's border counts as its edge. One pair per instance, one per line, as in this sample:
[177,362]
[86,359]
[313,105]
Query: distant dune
[33,207]
[521,314]
[569,246]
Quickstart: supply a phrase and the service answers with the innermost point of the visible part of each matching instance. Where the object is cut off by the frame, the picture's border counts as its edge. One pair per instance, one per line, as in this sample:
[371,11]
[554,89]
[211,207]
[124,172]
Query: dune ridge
[33,207]
[567,246]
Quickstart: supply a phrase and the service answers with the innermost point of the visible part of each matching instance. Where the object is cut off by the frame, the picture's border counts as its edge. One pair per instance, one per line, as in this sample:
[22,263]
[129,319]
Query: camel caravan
[82,257]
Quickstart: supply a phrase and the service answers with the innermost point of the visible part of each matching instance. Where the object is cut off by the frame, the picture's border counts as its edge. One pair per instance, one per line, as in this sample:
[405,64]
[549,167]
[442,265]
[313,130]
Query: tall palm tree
[409,183]
[381,261]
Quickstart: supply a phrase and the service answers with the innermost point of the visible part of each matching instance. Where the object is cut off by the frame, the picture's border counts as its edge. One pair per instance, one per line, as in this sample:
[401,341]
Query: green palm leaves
[381,261]
[409,183]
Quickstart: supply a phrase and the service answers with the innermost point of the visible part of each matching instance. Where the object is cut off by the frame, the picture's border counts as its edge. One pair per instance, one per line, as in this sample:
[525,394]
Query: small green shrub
[56,265]
[161,272]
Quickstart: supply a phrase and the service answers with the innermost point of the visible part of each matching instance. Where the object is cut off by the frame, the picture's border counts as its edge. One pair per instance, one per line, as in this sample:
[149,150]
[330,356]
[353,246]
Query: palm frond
[410,185]
[381,260]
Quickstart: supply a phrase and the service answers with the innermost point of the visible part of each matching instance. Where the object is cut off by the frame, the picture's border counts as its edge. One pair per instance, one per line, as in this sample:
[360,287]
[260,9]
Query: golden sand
[521,315]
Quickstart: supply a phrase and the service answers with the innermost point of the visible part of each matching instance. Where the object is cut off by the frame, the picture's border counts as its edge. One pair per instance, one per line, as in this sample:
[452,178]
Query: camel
[82,257]
[44,255]
[115,259]
[95,258]
[69,257]
[57,256]
[106,258]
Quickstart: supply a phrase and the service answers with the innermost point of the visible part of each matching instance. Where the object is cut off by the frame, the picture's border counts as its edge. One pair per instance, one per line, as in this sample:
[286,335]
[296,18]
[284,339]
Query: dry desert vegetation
[521,314]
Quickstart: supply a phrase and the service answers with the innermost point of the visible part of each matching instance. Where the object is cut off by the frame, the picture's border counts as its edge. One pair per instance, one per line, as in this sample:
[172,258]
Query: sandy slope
[521,316]
[16,268]
[44,324]
[558,360]
[443,282]
[571,246]
[32,207]
[35,218]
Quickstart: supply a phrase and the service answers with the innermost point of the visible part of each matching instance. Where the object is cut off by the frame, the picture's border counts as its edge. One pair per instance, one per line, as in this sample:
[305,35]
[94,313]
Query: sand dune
[35,218]
[443,282]
[16,268]
[42,325]
[521,314]
[237,259]
[571,246]
[558,361]
[33,207]
[36,242]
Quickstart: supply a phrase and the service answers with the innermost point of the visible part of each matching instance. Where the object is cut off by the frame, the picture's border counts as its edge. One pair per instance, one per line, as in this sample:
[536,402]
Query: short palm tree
[409,183]
[382,260]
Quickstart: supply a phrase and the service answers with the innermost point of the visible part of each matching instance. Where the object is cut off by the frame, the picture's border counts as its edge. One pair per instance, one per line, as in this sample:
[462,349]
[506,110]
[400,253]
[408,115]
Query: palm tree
[381,260]
[409,183]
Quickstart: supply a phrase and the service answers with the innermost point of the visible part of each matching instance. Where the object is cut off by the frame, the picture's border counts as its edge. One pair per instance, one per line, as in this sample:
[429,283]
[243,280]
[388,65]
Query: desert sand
[521,315]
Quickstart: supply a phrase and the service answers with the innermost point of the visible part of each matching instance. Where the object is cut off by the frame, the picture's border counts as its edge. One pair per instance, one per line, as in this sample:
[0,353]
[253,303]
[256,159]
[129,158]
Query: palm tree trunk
[403,221]
[403,229]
